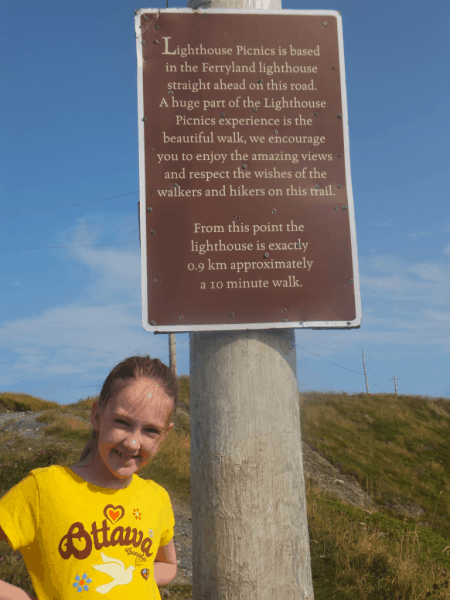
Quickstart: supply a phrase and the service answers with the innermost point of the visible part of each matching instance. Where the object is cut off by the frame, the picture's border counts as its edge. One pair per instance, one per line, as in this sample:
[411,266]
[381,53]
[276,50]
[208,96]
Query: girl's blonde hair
[131,369]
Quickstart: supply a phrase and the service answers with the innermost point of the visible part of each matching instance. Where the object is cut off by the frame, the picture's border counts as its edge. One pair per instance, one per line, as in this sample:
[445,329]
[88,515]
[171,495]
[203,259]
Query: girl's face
[131,431]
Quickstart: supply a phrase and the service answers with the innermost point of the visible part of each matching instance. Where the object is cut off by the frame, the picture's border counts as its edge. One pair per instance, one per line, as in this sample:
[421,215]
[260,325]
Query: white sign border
[356,323]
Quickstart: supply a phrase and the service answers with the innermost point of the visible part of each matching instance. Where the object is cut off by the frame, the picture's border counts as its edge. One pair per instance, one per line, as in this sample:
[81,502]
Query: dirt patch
[326,477]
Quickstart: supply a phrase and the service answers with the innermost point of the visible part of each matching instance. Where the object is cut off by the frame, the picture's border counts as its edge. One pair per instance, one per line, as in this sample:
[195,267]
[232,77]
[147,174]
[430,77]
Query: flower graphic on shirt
[137,514]
[81,582]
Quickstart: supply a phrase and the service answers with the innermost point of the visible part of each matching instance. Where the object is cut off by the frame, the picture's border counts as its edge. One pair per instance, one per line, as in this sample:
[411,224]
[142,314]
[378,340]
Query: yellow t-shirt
[78,537]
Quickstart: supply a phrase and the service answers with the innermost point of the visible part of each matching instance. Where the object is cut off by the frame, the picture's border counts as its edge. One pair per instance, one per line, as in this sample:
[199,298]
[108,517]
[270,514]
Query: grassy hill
[397,447]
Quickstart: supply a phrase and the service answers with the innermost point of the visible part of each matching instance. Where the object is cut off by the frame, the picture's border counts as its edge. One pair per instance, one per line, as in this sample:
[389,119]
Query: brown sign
[246,206]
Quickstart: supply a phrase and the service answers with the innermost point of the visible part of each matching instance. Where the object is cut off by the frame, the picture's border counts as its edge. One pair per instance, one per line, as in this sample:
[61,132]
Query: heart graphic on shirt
[114,513]
[145,573]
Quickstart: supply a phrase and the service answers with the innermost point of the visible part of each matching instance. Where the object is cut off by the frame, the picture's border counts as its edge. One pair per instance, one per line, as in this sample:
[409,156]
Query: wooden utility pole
[173,354]
[139,221]
[250,533]
[395,384]
[365,373]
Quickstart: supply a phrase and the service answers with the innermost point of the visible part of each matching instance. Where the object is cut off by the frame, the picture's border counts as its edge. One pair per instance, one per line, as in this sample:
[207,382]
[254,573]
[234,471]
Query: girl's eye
[149,429]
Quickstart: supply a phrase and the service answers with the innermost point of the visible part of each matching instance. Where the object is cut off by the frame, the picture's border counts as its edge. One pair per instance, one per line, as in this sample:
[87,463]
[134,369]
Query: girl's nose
[132,443]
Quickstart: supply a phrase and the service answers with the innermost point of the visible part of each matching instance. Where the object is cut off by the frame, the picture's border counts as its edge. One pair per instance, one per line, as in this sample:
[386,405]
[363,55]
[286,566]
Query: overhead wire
[343,383]
[74,246]
[341,367]
[374,373]
[331,354]
[331,362]
[60,207]
[376,386]
[334,340]
[375,364]
[16,212]
[97,385]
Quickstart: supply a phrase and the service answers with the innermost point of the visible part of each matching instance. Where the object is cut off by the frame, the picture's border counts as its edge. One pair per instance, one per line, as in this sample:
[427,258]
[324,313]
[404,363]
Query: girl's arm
[165,566]
[12,592]
[8,591]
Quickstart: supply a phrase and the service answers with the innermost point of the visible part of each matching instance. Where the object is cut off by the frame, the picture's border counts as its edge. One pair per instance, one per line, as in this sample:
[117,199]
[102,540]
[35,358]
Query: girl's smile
[126,456]
[130,431]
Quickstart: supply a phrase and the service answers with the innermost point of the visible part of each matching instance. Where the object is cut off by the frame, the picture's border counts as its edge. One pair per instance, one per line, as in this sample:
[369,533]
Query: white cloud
[438,315]
[405,313]
[428,271]
[389,271]
[86,337]
[415,234]
[407,303]
[73,340]
[112,268]
[388,223]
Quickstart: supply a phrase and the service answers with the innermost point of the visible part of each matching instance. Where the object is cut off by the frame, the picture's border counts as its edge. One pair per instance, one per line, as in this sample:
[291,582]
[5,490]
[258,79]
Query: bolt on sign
[246,211]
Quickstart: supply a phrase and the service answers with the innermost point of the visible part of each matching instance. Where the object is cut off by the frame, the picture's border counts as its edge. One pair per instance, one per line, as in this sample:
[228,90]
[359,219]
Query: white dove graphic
[115,569]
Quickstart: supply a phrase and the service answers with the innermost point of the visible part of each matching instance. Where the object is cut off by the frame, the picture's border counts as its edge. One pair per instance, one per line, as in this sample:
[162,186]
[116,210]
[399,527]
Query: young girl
[96,529]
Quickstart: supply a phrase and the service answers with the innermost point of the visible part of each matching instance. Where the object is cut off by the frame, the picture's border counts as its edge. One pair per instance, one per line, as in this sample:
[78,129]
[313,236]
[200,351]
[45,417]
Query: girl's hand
[12,592]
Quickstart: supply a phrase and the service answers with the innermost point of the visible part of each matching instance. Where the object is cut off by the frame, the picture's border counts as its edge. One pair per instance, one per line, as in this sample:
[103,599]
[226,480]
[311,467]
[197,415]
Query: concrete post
[250,533]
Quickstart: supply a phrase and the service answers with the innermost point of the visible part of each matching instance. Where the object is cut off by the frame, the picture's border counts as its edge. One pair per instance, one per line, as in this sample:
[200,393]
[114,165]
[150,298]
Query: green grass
[397,447]
[361,556]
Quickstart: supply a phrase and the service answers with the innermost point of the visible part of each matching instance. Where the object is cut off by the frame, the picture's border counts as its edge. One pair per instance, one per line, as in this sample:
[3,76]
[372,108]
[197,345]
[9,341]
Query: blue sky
[71,309]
